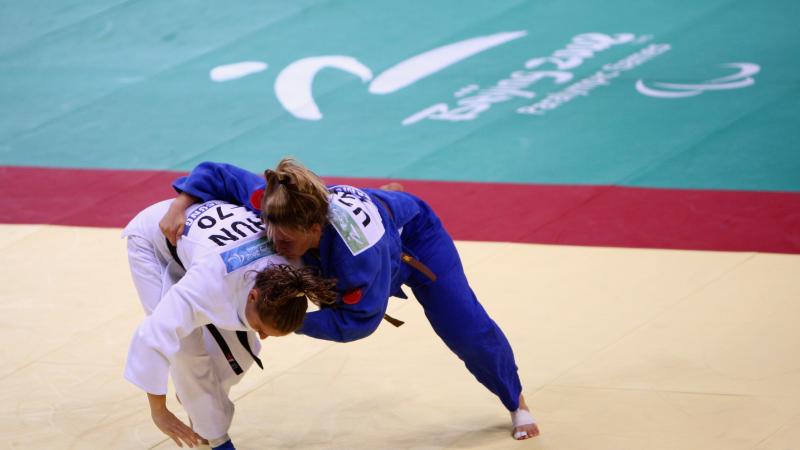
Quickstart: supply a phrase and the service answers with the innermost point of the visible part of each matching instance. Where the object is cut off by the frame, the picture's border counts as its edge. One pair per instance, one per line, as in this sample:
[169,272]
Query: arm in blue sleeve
[218,181]
[370,272]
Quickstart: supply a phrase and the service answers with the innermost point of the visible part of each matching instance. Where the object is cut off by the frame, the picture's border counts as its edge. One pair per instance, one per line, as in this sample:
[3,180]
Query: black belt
[241,335]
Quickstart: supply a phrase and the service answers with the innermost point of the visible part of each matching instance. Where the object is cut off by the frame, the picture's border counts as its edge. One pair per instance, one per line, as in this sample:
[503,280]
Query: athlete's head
[294,208]
[279,298]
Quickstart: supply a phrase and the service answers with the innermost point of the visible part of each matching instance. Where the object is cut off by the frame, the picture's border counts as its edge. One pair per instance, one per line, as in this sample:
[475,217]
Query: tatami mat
[617,349]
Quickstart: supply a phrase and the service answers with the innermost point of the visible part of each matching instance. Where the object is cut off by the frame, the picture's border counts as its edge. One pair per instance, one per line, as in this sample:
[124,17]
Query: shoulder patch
[352,297]
[255,199]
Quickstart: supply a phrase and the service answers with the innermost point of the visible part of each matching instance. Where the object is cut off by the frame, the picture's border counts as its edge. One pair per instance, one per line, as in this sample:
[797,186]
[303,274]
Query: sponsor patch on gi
[355,218]
[245,254]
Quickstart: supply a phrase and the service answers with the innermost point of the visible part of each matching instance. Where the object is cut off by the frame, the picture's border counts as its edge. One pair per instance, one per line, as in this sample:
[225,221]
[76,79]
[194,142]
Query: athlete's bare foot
[523,425]
[393,186]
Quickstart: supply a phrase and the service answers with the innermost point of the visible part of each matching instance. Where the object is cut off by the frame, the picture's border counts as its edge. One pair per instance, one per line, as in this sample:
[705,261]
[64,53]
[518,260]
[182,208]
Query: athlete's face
[294,242]
[251,315]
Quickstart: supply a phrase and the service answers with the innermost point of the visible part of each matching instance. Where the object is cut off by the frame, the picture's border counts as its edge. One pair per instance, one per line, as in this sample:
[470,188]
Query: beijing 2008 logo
[293,85]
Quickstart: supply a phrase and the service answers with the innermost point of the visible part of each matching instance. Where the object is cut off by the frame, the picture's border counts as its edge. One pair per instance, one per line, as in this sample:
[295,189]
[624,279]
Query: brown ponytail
[294,197]
[284,293]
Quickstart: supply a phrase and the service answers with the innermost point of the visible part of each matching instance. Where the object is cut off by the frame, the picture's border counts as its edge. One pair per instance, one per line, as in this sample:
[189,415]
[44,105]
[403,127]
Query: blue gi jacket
[365,280]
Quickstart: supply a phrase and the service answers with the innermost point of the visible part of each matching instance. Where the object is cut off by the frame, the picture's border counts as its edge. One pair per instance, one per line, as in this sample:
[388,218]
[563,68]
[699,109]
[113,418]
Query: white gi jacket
[221,246]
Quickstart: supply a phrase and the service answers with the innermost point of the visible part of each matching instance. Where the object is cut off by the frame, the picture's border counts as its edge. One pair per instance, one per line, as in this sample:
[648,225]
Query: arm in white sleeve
[156,341]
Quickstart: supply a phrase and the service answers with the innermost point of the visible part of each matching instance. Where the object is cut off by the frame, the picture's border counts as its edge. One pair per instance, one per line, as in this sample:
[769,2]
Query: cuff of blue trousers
[227,445]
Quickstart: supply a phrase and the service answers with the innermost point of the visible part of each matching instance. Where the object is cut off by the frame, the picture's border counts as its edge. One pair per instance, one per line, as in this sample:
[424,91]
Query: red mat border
[610,216]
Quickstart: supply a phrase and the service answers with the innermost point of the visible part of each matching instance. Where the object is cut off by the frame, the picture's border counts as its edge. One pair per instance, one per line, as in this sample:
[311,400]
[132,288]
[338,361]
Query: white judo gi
[221,245]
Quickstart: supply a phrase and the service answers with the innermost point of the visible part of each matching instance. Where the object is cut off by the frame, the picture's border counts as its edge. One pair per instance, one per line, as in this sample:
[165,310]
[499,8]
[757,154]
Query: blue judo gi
[368,274]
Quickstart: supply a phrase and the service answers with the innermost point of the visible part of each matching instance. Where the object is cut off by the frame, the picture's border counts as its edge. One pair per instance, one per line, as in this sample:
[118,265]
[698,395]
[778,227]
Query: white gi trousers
[201,374]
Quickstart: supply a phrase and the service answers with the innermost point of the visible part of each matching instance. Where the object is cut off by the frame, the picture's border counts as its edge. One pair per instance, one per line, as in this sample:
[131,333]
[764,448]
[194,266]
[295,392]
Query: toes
[525,432]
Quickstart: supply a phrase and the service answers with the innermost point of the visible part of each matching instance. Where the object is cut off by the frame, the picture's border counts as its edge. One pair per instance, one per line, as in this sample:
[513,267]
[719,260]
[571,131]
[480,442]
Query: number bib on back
[355,218]
[231,230]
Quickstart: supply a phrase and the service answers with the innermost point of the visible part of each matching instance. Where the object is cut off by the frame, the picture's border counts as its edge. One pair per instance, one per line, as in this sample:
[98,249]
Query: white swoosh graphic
[294,83]
[642,88]
[745,70]
[414,69]
[709,86]
[235,71]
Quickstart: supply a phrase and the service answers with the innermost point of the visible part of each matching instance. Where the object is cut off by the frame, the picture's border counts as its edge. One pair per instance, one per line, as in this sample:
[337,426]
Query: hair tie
[300,294]
[271,175]
[285,180]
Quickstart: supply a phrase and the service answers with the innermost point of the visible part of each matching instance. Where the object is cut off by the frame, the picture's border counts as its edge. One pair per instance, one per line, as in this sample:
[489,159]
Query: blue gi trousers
[456,315]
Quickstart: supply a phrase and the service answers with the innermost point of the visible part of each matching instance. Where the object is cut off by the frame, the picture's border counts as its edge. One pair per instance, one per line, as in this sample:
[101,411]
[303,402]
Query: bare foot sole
[524,425]
[393,186]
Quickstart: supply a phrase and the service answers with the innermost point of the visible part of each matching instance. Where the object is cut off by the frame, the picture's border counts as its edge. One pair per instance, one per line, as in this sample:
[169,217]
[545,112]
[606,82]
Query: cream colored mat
[617,349]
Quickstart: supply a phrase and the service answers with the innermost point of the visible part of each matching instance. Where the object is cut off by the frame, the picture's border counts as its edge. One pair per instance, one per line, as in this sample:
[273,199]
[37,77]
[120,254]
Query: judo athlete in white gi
[207,300]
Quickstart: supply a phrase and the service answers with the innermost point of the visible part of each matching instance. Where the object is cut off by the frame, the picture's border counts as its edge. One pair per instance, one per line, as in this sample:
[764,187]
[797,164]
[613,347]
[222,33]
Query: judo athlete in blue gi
[205,301]
[372,241]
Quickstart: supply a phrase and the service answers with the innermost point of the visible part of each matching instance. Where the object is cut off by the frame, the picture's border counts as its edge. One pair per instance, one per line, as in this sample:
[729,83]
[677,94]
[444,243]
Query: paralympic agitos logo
[293,85]
[743,78]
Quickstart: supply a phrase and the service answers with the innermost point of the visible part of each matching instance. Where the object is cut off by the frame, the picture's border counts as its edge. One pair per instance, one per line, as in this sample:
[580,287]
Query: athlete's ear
[315,230]
[252,296]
